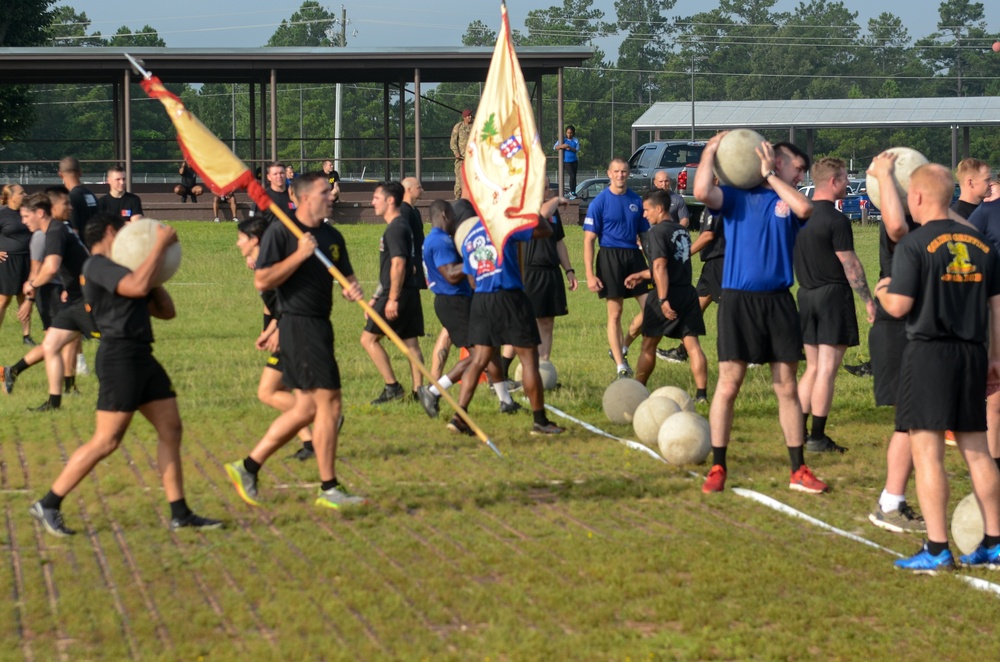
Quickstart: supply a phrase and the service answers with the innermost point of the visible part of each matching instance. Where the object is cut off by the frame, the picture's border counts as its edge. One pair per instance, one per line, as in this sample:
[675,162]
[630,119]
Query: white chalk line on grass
[587,426]
[774,504]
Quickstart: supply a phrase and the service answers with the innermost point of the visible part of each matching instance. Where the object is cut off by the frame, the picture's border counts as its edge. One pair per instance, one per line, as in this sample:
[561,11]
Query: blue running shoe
[923,563]
[982,557]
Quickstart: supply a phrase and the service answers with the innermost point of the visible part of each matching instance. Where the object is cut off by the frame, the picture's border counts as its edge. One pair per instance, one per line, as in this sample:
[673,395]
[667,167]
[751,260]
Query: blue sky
[389,23]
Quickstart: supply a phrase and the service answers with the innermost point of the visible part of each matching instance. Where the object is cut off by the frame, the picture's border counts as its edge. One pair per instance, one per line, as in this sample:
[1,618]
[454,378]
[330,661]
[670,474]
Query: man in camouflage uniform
[459,140]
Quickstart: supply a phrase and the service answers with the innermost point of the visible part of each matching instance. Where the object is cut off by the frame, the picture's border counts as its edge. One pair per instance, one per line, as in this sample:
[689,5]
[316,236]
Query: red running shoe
[803,480]
[716,480]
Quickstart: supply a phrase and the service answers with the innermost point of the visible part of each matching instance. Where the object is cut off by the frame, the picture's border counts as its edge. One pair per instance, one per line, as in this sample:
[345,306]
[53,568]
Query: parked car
[586,191]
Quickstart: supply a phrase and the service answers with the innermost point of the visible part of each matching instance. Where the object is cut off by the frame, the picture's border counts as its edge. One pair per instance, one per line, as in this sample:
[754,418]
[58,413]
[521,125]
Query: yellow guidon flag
[504,166]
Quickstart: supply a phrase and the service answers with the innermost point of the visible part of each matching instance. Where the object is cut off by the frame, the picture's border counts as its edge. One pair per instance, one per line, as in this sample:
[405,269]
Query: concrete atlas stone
[622,398]
[967,524]
[649,417]
[547,372]
[677,394]
[736,161]
[907,160]
[133,243]
[685,439]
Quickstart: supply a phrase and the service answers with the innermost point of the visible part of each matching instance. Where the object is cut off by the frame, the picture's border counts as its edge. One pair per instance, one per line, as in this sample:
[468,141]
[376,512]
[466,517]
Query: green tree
[644,48]
[143,37]
[22,23]
[69,28]
[960,25]
[311,25]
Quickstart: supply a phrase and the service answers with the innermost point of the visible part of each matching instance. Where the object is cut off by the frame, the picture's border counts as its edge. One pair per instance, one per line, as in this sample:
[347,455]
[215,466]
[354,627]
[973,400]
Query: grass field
[568,548]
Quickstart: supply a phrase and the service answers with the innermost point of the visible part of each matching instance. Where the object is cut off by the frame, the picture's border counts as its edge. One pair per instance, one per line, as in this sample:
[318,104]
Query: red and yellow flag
[218,167]
[504,161]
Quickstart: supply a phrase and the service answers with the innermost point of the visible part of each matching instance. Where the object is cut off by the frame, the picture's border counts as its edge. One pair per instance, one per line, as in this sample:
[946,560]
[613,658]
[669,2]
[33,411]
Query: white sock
[890,502]
[622,366]
[500,388]
[445,384]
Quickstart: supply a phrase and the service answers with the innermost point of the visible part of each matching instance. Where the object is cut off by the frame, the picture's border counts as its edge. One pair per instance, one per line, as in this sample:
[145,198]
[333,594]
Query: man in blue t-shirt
[757,320]
[570,148]
[501,314]
[446,278]
[615,222]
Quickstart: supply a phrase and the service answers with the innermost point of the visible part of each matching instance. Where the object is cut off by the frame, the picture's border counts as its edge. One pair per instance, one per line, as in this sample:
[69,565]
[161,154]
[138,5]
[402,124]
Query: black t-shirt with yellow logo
[309,290]
[950,270]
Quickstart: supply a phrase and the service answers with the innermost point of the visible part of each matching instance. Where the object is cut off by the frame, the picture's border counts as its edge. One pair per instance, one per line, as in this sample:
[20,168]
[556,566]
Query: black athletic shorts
[689,322]
[827,316]
[710,281]
[614,265]
[453,311]
[886,341]
[503,318]
[758,327]
[274,361]
[129,376]
[942,386]
[13,272]
[307,360]
[409,324]
[546,290]
[73,316]
[48,302]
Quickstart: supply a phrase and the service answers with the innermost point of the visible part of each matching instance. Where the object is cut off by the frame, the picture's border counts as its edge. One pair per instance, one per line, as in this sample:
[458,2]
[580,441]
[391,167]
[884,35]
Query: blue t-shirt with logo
[616,219]
[439,250]
[480,259]
[569,155]
[760,231]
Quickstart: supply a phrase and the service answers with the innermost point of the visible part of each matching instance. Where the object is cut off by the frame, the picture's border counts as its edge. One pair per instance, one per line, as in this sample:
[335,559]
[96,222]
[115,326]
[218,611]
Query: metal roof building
[264,68]
[812,114]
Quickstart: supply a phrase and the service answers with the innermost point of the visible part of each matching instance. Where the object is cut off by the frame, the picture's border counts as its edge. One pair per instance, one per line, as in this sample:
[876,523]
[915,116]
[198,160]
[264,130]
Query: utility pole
[337,133]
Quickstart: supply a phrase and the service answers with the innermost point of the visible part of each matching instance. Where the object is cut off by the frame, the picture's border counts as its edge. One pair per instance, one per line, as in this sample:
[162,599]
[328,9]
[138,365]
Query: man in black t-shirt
[305,289]
[711,245]
[543,283]
[397,298]
[189,186]
[413,190]
[886,341]
[64,255]
[672,308]
[83,202]
[277,191]
[333,177]
[827,269]
[118,201]
[132,380]
[974,178]
[946,283]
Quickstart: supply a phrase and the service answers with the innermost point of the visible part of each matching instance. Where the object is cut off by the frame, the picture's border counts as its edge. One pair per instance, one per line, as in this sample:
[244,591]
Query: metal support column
[127,127]
[253,126]
[416,123]
[116,119]
[810,142]
[402,129]
[274,114]
[791,134]
[539,122]
[954,146]
[263,126]
[385,129]
[965,142]
[559,129]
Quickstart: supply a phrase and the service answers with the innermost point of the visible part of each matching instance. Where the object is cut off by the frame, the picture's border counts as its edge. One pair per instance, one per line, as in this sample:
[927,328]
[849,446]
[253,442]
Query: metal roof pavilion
[811,114]
[267,67]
